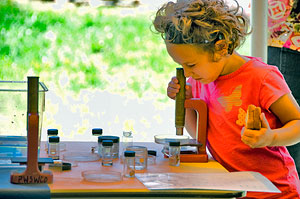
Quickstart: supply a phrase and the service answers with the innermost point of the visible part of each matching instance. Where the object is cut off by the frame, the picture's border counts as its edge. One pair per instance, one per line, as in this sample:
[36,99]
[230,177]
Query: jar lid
[52,132]
[54,139]
[152,152]
[129,153]
[97,131]
[174,143]
[115,139]
[127,133]
[107,143]
[66,166]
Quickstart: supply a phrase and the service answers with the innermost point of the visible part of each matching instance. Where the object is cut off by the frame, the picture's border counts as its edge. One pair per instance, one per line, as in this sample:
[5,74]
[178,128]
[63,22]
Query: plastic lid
[152,152]
[166,138]
[115,139]
[107,143]
[52,132]
[174,143]
[66,166]
[129,153]
[97,131]
[54,139]
[136,148]
[101,176]
[127,133]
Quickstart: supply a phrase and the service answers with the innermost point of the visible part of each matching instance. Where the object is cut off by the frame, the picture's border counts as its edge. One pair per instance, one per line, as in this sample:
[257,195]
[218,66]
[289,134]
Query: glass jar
[53,147]
[127,139]
[107,153]
[174,153]
[141,156]
[115,147]
[50,132]
[151,157]
[129,164]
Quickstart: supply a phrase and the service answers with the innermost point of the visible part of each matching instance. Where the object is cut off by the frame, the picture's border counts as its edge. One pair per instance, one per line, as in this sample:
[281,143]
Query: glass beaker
[141,156]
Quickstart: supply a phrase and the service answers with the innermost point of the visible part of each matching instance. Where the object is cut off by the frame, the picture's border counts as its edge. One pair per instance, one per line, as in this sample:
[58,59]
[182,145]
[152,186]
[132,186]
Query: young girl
[201,36]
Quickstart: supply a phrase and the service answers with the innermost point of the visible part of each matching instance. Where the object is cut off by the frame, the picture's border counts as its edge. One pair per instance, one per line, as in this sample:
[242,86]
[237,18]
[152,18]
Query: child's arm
[288,112]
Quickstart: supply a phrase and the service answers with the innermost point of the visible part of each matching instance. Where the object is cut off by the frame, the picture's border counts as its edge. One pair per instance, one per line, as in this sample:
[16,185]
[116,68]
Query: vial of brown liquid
[174,154]
[129,164]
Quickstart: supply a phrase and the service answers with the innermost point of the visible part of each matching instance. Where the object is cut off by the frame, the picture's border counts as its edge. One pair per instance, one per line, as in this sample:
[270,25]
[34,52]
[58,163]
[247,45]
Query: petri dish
[166,138]
[101,176]
[81,156]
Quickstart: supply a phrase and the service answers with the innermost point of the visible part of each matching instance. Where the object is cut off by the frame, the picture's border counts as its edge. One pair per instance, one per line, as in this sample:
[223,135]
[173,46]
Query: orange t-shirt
[227,99]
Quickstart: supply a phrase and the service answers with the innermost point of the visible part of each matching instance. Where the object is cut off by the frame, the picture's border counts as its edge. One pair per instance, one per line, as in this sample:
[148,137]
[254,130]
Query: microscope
[200,107]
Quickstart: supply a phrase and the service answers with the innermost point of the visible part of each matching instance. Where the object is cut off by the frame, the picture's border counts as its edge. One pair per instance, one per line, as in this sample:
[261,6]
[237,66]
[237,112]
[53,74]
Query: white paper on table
[234,181]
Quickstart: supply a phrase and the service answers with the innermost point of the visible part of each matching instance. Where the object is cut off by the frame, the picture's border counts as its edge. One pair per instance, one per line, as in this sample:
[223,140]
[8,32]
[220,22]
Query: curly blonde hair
[202,22]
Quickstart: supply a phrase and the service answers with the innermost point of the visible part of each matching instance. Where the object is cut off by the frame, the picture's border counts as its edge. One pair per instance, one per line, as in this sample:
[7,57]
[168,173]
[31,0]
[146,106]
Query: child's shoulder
[261,68]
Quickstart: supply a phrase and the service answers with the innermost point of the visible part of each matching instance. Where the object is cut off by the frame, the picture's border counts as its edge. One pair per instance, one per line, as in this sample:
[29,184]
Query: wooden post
[32,175]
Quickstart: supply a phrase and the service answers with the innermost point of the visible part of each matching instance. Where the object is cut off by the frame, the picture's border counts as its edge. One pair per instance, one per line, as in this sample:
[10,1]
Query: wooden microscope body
[200,107]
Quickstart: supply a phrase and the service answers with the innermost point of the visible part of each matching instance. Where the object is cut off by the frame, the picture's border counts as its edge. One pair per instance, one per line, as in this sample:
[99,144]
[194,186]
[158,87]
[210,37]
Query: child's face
[196,63]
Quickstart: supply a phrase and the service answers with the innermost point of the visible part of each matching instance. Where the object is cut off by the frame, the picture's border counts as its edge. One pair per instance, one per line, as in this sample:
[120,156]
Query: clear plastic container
[101,176]
[13,114]
[80,156]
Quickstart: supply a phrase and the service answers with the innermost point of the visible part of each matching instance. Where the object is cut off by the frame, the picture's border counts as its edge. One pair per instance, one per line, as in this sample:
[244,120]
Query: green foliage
[86,47]
[92,49]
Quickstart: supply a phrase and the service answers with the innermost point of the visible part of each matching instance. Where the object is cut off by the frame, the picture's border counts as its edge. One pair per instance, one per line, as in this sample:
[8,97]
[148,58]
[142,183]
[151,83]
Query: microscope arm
[191,122]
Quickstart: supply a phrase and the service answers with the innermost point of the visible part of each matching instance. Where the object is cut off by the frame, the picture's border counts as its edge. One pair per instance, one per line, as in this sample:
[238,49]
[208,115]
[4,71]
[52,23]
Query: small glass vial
[58,165]
[53,147]
[127,140]
[96,132]
[50,132]
[151,157]
[107,153]
[129,164]
[174,153]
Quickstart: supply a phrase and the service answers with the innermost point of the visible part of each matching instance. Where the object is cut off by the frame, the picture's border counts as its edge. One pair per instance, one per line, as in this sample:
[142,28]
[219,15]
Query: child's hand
[173,89]
[258,138]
